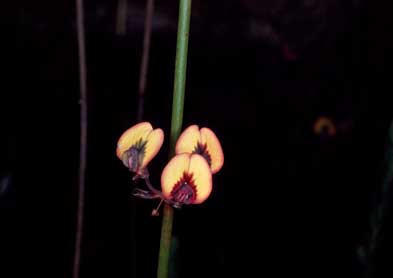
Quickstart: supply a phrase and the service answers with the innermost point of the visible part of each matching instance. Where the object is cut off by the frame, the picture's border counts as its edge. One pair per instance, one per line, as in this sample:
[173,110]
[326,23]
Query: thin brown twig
[145,57]
[121,18]
[83,136]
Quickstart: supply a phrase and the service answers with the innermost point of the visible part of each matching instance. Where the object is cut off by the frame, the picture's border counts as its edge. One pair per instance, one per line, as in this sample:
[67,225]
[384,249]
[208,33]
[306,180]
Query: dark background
[307,195]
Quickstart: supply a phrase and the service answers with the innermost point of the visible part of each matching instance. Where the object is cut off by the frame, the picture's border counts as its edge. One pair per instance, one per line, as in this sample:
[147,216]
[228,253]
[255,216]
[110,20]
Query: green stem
[176,125]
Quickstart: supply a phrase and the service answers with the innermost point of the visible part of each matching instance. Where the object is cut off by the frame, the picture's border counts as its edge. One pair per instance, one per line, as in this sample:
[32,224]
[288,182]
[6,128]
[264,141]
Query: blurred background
[293,61]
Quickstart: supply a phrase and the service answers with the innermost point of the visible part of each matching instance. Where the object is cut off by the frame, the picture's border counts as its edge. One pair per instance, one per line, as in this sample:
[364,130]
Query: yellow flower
[204,142]
[324,125]
[139,145]
[186,179]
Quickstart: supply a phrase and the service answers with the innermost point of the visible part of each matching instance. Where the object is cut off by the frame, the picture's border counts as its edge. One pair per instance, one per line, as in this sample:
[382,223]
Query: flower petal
[200,170]
[213,148]
[154,142]
[131,136]
[173,172]
[193,169]
[188,140]
[324,124]
[204,142]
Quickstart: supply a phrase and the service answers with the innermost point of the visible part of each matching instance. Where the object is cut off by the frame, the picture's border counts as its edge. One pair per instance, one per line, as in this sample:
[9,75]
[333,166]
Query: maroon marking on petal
[133,157]
[184,191]
[202,150]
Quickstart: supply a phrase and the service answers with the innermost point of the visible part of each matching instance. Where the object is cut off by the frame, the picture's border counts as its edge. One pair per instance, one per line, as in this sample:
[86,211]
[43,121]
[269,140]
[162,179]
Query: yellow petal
[204,142]
[213,148]
[131,136]
[200,170]
[188,140]
[193,169]
[153,145]
[324,124]
[173,172]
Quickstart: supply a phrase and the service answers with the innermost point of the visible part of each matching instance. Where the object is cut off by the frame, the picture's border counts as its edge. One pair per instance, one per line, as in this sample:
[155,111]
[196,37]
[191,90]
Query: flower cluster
[187,178]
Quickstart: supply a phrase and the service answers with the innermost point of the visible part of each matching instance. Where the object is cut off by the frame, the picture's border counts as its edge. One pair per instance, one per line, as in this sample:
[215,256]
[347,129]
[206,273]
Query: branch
[83,135]
[177,121]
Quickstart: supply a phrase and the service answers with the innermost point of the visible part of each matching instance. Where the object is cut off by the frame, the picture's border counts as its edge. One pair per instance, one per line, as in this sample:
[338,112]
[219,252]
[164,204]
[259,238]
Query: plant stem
[176,125]
[165,244]
[121,18]
[379,214]
[83,136]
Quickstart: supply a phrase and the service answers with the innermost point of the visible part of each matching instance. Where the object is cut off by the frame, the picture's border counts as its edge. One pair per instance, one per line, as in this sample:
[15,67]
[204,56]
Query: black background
[284,193]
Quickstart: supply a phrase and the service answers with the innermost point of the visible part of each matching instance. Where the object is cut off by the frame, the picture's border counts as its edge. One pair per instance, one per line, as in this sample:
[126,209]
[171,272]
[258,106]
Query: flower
[204,142]
[324,126]
[139,145]
[186,179]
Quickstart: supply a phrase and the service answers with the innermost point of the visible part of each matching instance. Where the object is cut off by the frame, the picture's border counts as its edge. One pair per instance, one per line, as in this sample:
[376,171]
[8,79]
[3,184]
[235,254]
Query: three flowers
[187,177]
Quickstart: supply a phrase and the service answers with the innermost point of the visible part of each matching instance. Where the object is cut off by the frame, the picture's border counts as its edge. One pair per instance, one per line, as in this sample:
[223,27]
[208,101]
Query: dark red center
[202,150]
[184,191]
